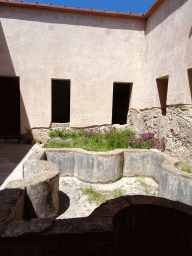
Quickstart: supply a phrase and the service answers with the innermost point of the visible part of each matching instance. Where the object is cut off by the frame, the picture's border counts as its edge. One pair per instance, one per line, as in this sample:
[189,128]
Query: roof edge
[128,15]
[153,8]
[70,9]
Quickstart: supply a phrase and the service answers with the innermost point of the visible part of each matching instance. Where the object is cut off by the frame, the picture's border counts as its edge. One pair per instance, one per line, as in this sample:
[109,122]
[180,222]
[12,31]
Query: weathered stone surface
[42,188]
[41,134]
[176,127]
[20,227]
[12,206]
[109,228]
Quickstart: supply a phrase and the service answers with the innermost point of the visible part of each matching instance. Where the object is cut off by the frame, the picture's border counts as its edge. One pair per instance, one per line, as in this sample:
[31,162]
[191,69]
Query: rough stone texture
[107,230]
[176,127]
[59,125]
[12,206]
[41,134]
[42,187]
[34,226]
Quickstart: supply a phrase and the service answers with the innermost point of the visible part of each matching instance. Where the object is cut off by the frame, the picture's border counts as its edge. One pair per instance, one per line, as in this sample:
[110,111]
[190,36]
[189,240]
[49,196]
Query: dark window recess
[61,101]
[121,97]
[162,85]
[9,108]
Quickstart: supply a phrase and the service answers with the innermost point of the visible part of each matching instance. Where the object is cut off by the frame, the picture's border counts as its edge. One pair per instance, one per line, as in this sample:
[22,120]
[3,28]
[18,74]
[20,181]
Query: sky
[133,6]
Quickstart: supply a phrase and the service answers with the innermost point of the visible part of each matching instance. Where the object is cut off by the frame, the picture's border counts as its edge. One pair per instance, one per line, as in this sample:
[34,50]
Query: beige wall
[168,51]
[93,52]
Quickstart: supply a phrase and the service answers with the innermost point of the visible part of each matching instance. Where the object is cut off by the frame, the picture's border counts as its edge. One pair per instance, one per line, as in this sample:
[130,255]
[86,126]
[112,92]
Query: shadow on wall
[6,64]
[7,69]
[26,136]
[190,33]
[164,13]
[189,71]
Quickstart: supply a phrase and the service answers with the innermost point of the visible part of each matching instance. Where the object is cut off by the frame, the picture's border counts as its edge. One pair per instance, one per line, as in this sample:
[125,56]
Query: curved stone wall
[41,182]
[93,167]
[107,167]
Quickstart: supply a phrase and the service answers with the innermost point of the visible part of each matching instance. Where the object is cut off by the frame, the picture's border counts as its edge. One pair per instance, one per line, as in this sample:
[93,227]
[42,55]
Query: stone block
[42,188]
[127,220]
[35,226]
[12,206]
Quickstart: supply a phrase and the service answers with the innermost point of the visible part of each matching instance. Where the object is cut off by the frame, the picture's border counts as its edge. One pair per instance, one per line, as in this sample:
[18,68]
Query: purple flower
[142,135]
[151,134]
[129,137]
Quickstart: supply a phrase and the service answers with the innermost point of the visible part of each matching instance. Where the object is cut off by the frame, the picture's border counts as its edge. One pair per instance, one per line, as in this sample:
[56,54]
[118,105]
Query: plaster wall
[92,51]
[168,44]
[168,47]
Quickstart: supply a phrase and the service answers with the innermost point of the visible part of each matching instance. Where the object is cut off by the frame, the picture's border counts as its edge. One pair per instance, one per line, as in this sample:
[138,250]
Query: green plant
[66,184]
[56,133]
[93,140]
[99,197]
[186,169]
[145,185]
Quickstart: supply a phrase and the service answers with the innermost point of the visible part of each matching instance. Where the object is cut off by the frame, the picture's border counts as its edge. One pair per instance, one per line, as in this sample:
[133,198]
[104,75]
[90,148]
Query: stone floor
[74,203]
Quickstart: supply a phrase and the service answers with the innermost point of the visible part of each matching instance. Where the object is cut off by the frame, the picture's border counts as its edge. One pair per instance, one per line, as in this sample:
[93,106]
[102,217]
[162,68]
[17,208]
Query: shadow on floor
[11,154]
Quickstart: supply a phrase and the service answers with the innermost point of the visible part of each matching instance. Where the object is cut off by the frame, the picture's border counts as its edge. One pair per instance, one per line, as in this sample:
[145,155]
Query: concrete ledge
[41,182]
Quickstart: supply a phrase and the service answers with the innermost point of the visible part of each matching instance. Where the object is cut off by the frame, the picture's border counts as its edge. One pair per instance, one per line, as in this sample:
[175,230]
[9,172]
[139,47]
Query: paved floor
[12,156]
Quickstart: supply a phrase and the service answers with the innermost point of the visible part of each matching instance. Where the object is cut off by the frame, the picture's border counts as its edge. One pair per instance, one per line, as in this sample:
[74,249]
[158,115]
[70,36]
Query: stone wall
[109,230]
[175,126]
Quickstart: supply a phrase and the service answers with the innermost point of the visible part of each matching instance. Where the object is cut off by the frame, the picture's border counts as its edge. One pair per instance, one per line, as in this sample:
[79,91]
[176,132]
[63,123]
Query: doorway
[9,108]
[121,97]
[60,101]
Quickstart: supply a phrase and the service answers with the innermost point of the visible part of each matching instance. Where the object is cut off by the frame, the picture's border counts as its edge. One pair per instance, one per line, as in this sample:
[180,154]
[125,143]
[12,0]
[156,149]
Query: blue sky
[133,6]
